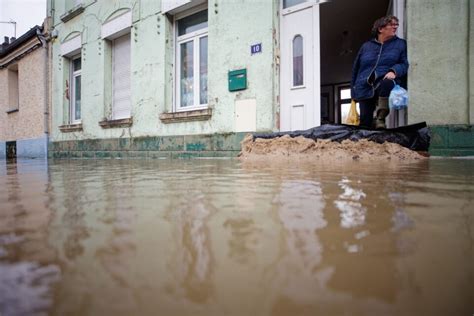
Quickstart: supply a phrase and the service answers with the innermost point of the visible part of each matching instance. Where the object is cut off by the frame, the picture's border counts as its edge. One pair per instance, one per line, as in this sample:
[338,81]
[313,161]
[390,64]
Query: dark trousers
[367,106]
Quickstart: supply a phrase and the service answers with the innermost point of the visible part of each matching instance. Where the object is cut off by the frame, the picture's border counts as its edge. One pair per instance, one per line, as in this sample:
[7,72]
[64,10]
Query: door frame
[316,56]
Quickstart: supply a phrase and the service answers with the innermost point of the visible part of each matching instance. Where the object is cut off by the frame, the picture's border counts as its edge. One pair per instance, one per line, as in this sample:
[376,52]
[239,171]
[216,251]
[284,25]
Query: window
[75,95]
[344,97]
[121,101]
[13,88]
[191,61]
[298,69]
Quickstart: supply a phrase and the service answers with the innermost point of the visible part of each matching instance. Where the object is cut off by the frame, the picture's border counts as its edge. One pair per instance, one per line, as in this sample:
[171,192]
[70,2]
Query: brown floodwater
[221,237]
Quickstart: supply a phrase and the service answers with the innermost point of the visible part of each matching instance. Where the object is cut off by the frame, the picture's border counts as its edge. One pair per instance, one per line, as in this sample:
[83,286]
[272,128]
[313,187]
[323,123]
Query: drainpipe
[44,39]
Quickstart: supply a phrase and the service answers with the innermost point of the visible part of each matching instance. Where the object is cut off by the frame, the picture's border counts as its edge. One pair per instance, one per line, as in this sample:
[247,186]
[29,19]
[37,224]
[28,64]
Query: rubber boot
[381,112]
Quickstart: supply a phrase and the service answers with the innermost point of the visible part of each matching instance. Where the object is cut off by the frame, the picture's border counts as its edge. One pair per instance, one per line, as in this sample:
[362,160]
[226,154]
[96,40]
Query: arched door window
[298,71]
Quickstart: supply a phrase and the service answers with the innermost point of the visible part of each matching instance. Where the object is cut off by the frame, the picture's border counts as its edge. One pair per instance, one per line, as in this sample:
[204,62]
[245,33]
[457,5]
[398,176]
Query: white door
[299,68]
[121,101]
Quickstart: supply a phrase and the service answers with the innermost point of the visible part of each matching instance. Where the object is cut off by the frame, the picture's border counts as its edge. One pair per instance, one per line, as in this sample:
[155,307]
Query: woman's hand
[390,75]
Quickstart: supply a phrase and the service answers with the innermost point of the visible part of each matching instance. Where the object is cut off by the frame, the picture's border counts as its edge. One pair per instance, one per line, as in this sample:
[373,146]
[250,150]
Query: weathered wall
[233,27]
[438,48]
[471,62]
[28,122]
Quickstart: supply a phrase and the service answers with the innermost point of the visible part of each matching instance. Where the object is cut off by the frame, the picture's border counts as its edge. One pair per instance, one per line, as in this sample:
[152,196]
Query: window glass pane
[298,61]
[290,3]
[203,70]
[186,76]
[345,107]
[76,64]
[77,97]
[192,23]
[345,94]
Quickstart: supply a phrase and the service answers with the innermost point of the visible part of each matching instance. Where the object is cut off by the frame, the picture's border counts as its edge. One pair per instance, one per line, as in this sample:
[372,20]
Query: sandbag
[415,137]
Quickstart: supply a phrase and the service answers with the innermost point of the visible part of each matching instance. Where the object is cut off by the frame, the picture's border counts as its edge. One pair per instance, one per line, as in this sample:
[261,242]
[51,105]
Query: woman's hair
[382,22]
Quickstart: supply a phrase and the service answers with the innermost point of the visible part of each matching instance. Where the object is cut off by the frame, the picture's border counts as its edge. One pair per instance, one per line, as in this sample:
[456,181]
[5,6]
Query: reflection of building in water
[28,263]
[120,216]
[298,273]
[353,214]
[360,245]
[243,240]
[191,261]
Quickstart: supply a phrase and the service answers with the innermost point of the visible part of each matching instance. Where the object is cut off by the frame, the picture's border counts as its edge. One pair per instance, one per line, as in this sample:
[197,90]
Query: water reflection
[206,237]
[28,267]
[191,262]
[349,203]
[300,207]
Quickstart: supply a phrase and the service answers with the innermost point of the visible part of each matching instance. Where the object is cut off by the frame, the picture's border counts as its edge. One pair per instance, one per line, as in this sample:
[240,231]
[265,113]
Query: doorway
[299,68]
[11,150]
[319,40]
[345,26]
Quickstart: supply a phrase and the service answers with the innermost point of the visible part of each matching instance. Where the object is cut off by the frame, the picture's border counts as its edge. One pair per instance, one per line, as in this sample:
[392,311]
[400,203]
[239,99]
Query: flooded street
[219,237]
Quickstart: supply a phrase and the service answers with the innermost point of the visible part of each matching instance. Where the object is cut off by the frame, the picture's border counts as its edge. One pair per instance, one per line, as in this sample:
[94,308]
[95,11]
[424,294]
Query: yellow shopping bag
[353,116]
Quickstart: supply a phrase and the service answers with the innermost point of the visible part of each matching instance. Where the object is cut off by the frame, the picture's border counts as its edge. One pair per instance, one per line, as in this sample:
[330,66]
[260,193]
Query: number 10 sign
[255,49]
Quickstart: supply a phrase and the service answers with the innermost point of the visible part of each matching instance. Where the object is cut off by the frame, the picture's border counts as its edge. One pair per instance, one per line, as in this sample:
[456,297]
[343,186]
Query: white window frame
[195,37]
[72,96]
[297,7]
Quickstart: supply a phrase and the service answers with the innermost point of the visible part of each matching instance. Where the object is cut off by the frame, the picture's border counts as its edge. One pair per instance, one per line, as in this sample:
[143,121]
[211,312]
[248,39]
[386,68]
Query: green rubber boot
[381,112]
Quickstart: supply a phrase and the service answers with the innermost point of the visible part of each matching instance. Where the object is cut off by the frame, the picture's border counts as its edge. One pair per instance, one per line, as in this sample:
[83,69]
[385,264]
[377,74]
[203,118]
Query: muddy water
[218,237]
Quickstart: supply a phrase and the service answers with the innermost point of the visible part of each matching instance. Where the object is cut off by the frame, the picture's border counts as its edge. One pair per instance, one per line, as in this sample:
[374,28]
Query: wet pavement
[218,237]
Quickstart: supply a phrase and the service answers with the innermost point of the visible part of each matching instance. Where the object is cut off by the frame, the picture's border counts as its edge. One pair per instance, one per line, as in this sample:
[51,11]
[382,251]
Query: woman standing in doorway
[379,65]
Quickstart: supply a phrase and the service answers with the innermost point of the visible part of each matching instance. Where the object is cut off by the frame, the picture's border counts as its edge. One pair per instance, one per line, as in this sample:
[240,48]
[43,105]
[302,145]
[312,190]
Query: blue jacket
[373,61]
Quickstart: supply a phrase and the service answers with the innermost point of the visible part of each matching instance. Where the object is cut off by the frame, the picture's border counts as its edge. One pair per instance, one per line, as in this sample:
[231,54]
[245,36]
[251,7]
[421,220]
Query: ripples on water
[217,237]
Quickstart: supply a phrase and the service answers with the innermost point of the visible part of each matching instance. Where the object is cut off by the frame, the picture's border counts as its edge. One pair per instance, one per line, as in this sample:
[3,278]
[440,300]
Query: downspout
[44,39]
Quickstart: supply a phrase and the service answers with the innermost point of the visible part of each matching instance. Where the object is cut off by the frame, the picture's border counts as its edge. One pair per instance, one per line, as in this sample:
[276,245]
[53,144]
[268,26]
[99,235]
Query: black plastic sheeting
[415,137]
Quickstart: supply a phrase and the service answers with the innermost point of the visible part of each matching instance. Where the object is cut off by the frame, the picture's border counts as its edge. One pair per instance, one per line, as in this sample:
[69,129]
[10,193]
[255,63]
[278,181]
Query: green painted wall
[439,35]
[233,27]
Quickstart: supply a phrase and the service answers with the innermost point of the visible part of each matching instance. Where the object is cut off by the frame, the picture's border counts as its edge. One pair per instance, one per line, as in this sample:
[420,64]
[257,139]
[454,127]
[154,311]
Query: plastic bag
[353,116]
[398,98]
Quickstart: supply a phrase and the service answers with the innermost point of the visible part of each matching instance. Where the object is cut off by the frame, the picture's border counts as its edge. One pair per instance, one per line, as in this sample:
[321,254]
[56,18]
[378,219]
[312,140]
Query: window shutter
[121,77]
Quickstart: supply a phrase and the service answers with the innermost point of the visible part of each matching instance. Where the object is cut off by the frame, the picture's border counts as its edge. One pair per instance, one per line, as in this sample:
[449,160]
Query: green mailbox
[237,80]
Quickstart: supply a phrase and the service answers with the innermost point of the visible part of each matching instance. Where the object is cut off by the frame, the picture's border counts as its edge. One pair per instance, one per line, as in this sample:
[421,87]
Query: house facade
[23,98]
[176,78]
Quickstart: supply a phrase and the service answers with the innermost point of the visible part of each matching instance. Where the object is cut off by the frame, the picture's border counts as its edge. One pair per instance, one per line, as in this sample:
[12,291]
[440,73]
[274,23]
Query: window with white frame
[75,90]
[344,97]
[191,61]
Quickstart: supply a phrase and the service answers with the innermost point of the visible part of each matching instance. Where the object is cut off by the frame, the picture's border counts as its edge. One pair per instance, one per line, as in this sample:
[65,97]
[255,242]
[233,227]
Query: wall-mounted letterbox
[237,80]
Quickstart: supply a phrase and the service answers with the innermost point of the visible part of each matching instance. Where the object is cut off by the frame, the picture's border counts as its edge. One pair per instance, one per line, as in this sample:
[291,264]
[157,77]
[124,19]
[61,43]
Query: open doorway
[11,150]
[344,26]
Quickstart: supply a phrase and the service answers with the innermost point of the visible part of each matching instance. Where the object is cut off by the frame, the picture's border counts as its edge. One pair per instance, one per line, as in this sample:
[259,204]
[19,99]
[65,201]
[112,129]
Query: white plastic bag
[398,98]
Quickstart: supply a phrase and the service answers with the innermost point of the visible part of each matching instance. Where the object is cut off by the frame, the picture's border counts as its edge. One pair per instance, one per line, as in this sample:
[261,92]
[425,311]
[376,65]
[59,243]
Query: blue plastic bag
[398,98]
